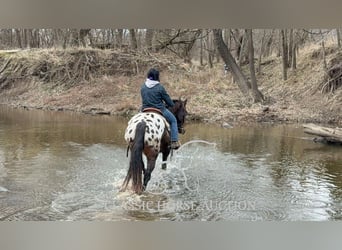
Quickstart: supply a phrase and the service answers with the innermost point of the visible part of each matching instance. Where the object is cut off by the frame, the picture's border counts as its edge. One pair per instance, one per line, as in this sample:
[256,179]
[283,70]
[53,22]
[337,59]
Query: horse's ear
[185,101]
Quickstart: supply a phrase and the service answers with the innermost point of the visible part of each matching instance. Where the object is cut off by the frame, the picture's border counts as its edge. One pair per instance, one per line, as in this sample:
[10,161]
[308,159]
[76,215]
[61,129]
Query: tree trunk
[269,45]
[294,56]
[119,38]
[149,39]
[210,59]
[323,52]
[189,45]
[75,38]
[209,50]
[284,54]
[201,49]
[258,97]
[66,35]
[82,35]
[238,39]
[36,39]
[242,50]
[290,51]
[134,42]
[11,37]
[329,135]
[338,38]
[227,57]
[26,39]
[294,53]
[18,35]
[261,51]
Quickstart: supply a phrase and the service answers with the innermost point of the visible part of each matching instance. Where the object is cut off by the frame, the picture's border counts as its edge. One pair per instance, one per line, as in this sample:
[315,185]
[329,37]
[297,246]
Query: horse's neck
[173,110]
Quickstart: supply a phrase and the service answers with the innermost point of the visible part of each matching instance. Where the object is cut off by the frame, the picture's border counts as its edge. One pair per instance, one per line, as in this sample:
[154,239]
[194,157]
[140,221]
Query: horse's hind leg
[165,154]
[151,162]
[147,176]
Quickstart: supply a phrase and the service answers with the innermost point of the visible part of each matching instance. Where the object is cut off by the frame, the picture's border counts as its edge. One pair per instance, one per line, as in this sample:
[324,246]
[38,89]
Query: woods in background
[188,44]
[237,47]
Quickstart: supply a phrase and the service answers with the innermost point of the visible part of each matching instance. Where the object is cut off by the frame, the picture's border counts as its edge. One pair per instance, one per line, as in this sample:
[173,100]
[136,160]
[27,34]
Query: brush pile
[333,78]
[72,66]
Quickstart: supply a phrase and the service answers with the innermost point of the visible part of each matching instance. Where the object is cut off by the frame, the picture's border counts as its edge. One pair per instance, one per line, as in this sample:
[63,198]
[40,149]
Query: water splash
[188,143]
[178,176]
[197,141]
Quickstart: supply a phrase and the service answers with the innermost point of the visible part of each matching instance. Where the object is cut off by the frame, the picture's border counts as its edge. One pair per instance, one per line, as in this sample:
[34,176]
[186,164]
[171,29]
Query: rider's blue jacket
[154,95]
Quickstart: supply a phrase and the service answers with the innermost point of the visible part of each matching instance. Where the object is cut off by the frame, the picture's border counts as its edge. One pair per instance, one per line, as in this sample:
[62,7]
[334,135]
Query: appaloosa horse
[148,132]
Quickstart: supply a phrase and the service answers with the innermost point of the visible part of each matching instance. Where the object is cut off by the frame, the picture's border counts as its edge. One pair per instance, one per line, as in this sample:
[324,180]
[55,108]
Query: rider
[154,95]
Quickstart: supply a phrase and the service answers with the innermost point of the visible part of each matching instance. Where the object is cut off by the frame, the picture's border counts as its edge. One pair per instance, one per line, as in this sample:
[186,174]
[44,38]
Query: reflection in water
[66,166]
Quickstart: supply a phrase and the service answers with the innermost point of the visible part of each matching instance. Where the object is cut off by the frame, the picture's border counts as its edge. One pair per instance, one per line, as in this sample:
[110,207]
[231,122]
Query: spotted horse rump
[155,127]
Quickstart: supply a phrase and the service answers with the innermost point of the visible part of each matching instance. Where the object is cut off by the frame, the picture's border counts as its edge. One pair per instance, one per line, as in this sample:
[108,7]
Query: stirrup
[175,145]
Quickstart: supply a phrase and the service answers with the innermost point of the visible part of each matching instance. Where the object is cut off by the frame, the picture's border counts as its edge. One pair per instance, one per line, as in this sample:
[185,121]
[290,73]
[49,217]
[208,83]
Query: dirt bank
[108,82]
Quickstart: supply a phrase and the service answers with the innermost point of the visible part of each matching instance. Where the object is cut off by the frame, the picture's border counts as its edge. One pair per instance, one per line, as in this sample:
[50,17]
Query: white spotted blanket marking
[155,126]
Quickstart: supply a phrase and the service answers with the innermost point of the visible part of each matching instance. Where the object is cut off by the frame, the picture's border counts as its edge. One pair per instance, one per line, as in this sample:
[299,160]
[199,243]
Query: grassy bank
[108,82]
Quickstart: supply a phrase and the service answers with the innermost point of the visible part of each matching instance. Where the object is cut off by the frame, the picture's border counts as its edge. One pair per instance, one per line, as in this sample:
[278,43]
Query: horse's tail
[136,164]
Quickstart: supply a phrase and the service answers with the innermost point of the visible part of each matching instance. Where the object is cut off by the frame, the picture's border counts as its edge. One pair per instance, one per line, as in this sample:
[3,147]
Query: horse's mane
[174,101]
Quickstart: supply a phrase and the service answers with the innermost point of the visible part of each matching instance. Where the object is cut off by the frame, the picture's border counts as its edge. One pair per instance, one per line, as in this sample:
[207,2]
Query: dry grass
[211,95]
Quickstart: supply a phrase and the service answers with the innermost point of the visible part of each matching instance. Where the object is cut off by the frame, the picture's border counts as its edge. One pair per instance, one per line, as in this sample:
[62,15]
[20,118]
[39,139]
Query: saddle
[154,110]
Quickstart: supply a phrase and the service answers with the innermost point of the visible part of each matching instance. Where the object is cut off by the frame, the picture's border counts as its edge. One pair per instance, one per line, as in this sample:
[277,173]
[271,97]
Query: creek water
[68,166]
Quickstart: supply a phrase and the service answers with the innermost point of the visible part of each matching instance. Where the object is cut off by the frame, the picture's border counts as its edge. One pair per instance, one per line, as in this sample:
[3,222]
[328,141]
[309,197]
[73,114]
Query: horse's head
[179,110]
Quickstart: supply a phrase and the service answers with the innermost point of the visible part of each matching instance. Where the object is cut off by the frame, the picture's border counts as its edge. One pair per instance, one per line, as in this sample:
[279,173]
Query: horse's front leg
[151,156]
[165,148]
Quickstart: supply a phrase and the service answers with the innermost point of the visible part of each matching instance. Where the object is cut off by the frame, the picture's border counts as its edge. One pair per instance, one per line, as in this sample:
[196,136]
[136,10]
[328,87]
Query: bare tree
[189,45]
[294,52]
[149,39]
[284,53]
[238,42]
[82,35]
[201,50]
[242,50]
[241,79]
[18,36]
[257,95]
[66,35]
[210,50]
[323,52]
[269,43]
[134,42]
[338,38]
[119,38]
[289,50]
[180,42]
[262,46]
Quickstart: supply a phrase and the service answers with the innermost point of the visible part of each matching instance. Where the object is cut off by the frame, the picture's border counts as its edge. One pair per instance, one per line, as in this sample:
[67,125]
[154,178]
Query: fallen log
[326,135]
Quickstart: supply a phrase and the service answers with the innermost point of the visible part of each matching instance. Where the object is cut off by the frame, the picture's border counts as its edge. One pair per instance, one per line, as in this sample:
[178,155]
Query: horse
[148,133]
